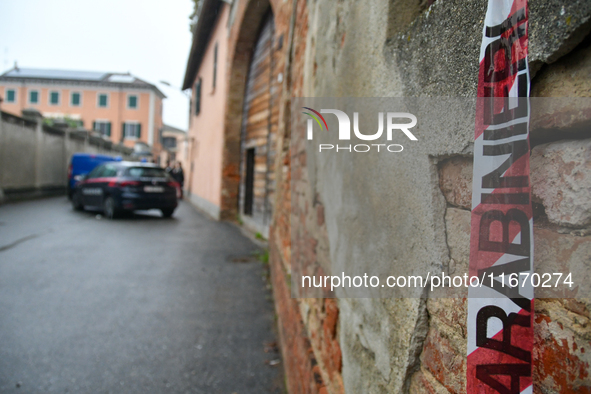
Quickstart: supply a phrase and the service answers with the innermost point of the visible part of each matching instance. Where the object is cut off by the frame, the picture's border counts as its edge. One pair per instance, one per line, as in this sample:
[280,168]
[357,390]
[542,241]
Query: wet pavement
[140,304]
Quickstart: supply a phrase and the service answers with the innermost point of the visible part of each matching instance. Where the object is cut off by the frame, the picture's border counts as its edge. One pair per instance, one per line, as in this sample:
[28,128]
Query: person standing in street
[179,175]
[169,168]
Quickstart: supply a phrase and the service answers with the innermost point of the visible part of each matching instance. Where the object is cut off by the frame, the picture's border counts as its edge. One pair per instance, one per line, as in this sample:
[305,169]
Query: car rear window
[109,171]
[146,172]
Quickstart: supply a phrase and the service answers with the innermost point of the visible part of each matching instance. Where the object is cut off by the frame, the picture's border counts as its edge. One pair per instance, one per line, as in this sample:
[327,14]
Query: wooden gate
[259,128]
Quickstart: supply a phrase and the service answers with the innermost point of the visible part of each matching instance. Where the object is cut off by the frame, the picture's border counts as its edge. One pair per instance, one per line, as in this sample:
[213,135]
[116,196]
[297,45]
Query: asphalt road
[135,305]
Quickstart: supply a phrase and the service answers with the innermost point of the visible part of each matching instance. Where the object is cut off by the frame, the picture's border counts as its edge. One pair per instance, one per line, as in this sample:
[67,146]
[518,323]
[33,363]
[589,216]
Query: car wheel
[76,202]
[167,212]
[109,208]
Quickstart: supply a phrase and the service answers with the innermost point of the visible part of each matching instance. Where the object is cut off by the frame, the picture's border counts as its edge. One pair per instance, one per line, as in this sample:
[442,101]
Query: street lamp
[185,92]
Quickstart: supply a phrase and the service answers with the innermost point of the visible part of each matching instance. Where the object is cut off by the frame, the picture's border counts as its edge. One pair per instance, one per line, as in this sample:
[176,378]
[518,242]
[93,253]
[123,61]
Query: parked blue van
[82,164]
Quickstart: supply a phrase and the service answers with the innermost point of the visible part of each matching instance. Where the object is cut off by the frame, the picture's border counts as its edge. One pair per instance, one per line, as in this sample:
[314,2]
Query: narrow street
[135,305]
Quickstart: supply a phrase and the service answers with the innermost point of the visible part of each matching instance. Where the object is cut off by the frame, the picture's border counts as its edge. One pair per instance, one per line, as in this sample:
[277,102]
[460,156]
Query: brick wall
[560,174]
[309,341]
[308,327]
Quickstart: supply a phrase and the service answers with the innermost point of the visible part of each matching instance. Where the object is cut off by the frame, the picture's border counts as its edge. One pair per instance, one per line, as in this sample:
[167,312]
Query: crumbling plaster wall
[354,48]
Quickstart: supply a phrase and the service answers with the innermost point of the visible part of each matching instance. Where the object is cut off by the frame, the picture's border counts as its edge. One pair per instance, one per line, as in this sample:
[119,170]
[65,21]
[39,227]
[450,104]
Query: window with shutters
[75,99]
[54,97]
[132,130]
[103,100]
[33,97]
[132,101]
[103,127]
[198,96]
[10,95]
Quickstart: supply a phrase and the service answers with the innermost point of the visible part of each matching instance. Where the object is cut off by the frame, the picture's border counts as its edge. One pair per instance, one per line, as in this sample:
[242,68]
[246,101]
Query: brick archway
[248,18]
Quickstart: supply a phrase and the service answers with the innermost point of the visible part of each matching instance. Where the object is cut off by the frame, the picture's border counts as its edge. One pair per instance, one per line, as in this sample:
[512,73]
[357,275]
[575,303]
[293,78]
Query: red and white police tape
[500,318]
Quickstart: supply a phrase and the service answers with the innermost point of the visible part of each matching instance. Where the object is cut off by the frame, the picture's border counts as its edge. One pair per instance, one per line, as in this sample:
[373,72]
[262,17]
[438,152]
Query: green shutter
[198,97]
[215,63]
[132,101]
[123,131]
[94,125]
[75,98]
[109,129]
[10,96]
[199,101]
[139,131]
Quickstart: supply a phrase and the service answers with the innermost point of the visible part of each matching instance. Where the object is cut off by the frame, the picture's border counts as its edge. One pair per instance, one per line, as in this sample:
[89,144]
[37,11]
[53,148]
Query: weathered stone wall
[414,48]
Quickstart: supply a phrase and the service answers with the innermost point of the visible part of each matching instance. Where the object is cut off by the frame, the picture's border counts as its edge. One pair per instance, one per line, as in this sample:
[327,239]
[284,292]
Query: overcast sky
[149,38]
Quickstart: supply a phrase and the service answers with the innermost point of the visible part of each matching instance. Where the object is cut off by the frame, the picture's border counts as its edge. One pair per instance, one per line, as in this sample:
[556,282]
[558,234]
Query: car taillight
[70,171]
[124,183]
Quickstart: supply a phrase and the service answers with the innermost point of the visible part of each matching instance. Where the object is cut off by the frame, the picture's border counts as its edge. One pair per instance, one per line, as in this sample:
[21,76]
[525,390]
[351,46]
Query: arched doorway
[258,131]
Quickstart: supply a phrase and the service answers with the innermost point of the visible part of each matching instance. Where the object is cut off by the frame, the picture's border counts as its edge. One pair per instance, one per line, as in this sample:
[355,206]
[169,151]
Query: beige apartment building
[122,107]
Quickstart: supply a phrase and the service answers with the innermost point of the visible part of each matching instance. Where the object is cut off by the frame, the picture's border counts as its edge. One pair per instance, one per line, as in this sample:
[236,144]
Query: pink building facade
[122,107]
[207,113]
